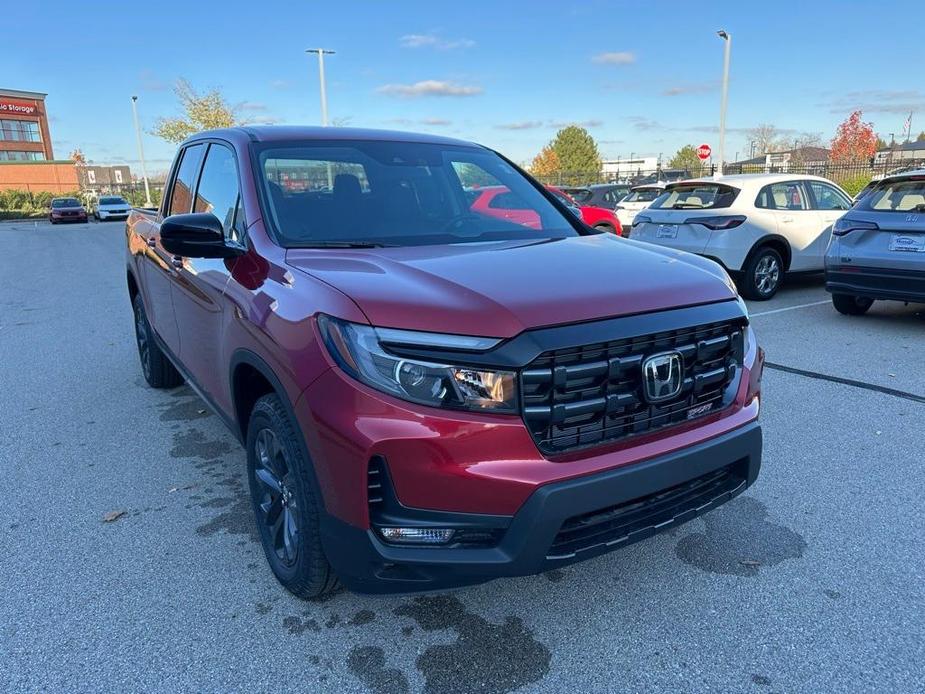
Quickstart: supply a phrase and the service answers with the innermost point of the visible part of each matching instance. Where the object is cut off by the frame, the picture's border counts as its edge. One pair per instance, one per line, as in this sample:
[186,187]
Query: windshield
[643,195]
[580,195]
[896,195]
[65,202]
[112,201]
[695,196]
[400,193]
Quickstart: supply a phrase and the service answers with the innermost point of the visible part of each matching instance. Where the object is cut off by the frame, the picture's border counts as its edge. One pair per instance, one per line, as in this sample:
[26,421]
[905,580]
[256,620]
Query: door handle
[177,261]
[152,242]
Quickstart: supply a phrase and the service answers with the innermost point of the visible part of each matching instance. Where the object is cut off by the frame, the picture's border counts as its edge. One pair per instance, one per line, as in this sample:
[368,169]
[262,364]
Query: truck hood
[500,289]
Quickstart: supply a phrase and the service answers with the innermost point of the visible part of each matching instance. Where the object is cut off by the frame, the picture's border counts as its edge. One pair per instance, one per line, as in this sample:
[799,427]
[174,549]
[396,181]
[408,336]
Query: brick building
[24,132]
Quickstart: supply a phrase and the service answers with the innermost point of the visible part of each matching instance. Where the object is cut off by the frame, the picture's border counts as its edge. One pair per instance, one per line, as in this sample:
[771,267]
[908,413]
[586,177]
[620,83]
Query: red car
[597,217]
[431,397]
[499,202]
[67,210]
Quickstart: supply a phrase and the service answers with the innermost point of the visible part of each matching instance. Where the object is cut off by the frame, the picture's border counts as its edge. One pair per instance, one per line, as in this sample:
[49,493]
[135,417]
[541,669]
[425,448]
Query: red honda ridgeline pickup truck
[432,397]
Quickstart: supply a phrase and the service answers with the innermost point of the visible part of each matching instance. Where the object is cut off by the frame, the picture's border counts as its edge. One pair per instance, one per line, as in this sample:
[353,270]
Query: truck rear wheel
[286,502]
[156,367]
[851,305]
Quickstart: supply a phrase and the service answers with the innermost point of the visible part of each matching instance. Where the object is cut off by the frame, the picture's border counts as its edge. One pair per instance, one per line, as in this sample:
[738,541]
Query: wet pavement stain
[362,617]
[485,657]
[184,410]
[194,444]
[554,575]
[236,519]
[368,664]
[761,680]
[739,540]
[298,626]
[832,594]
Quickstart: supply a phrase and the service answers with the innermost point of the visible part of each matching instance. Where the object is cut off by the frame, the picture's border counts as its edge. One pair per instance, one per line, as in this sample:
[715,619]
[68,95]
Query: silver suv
[877,249]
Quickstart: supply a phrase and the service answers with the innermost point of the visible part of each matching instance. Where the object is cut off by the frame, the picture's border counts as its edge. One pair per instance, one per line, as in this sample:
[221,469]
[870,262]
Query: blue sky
[642,76]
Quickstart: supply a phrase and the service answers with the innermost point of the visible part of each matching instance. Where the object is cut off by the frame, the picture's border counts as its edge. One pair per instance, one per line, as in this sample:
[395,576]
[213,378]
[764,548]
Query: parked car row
[73,210]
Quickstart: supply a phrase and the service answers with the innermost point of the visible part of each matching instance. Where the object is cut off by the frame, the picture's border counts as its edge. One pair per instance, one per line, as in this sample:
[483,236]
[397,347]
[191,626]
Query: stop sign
[703,152]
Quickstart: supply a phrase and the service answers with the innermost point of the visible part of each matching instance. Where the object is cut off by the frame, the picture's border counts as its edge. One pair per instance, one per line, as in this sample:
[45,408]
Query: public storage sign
[21,108]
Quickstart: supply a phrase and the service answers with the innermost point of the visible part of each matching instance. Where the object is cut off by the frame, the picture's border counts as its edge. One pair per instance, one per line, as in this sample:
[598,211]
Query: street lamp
[141,153]
[727,38]
[324,97]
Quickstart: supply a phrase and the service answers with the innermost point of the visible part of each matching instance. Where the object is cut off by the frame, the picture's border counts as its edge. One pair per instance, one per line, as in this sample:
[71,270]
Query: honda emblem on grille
[661,376]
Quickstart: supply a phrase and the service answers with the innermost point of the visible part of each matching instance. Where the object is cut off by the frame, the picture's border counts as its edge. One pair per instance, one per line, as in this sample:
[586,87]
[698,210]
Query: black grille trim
[590,395]
[634,520]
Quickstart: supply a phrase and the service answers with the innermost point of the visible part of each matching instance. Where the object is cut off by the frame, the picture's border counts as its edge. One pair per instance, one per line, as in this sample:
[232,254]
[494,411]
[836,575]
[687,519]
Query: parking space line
[847,382]
[789,308]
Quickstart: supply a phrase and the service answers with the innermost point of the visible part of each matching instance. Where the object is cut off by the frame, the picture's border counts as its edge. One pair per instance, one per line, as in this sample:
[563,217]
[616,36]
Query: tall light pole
[141,153]
[725,36]
[324,96]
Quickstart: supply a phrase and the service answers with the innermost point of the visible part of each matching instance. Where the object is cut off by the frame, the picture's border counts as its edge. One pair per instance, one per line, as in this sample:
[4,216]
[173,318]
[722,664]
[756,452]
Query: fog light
[417,536]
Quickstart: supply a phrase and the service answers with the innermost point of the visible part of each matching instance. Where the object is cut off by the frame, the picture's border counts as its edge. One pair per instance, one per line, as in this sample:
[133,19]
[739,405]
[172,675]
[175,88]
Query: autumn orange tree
[854,140]
[546,163]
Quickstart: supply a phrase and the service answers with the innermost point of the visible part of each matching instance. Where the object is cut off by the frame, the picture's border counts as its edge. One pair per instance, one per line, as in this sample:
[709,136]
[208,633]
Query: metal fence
[854,173]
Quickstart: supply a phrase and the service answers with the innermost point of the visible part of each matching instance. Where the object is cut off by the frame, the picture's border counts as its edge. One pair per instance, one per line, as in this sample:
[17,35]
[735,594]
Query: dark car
[430,396]
[600,194]
[66,210]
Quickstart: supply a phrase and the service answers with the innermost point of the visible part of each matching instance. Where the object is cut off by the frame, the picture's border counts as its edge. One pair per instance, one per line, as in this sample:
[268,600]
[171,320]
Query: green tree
[576,151]
[200,112]
[686,158]
[921,137]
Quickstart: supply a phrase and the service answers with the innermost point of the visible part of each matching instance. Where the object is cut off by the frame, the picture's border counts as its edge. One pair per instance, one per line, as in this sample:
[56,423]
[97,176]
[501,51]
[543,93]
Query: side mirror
[198,235]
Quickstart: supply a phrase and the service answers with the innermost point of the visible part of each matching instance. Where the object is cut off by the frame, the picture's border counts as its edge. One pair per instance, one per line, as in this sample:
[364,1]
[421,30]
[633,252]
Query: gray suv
[877,249]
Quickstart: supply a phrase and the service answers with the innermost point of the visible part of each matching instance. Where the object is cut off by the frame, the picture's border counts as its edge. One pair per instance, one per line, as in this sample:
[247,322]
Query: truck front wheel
[286,502]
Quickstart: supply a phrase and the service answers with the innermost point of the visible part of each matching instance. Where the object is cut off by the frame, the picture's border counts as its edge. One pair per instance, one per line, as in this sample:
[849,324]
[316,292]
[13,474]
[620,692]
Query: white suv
[758,226]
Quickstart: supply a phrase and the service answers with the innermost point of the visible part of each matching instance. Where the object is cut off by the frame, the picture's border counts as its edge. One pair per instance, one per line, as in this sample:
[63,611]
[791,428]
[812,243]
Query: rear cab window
[696,196]
[896,195]
[643,195]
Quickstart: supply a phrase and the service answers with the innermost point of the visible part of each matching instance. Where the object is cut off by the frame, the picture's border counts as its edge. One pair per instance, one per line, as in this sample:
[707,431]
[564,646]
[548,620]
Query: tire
[762,275]
[287,504]
[156,367]
[851,305]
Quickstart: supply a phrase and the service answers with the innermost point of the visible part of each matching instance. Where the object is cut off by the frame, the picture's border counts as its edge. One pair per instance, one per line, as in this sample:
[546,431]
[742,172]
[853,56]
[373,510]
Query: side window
[789,195]
[828,198]
[181,198]
[218,190]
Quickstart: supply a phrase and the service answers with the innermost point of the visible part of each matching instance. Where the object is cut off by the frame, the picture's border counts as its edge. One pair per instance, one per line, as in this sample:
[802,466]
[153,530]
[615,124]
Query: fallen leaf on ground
[114,515]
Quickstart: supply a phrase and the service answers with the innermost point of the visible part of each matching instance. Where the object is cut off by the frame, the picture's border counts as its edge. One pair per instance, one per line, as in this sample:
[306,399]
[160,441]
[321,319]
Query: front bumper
[560,523]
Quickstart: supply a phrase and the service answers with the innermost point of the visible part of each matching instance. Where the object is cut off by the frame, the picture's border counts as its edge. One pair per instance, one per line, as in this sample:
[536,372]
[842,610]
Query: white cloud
[280,84]
[433,41]
[592,123]
[614,58]
[430,88]
[520,125]
[436,121]
[252,106]
[694,88]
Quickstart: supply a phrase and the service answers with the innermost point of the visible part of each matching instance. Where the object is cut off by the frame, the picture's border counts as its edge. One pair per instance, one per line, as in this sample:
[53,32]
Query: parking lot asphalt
[813,580]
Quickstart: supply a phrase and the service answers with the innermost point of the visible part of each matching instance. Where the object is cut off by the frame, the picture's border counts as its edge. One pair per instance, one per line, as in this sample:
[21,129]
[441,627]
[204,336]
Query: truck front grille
[593,394]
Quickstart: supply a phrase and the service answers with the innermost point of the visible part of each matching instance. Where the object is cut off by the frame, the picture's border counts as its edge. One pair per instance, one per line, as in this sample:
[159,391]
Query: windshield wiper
[346,244]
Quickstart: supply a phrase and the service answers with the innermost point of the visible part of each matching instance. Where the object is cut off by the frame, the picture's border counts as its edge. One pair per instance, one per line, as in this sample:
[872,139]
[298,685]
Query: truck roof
[289,133]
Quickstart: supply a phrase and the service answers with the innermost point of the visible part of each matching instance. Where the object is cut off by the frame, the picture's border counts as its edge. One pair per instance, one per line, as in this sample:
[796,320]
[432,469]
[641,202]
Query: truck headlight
[358,350]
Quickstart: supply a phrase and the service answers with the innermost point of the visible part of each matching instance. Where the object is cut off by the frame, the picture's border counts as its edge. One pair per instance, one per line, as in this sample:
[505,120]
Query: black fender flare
[774,240]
